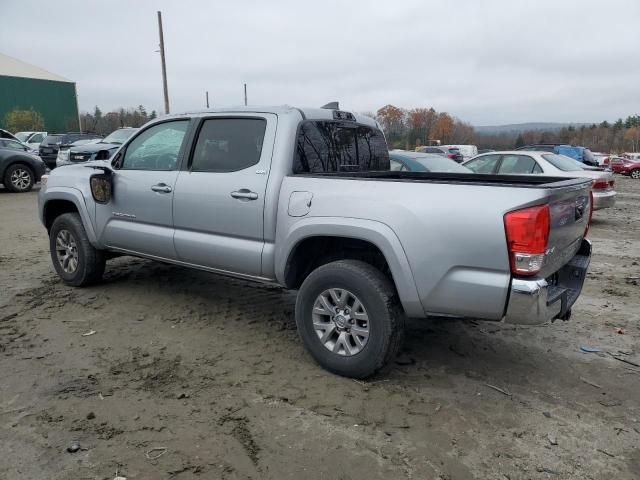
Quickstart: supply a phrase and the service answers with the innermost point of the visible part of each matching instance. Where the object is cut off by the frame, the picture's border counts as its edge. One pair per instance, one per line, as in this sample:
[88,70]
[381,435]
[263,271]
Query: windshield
[22,136]
[438,163]
[562,162]
[119,136]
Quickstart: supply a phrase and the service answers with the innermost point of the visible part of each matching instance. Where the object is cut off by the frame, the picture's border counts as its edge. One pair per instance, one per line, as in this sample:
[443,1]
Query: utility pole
[164,66]
[207,95]
[245,94]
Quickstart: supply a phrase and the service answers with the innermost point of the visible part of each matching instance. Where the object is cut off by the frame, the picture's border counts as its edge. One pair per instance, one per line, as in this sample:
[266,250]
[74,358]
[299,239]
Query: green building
[24,87]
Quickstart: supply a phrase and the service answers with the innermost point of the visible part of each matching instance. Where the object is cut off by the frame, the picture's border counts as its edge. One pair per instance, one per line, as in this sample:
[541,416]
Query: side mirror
[102,186]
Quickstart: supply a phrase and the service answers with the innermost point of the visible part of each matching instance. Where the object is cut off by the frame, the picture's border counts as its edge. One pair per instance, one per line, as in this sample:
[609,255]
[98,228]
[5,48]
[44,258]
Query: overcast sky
[486,62]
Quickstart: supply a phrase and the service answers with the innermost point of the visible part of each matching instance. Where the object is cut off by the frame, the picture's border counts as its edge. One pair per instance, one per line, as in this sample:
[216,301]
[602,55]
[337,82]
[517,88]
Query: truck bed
[520,181]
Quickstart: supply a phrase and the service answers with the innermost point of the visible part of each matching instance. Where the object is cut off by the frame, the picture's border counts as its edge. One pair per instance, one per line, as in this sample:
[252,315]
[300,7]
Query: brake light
[586,230]
[451,155]
[527,238]
[600,184]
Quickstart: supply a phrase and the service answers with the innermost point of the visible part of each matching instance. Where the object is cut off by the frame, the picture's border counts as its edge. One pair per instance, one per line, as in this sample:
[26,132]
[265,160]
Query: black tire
[19,178]
[635,173]
[377,295]
[90,261]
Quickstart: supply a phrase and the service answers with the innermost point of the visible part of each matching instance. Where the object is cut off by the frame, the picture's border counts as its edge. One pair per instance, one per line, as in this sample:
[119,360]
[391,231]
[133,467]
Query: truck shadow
[436,351]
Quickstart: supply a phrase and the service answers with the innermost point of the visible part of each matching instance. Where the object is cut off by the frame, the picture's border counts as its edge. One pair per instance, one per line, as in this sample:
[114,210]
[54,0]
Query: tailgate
[569,208]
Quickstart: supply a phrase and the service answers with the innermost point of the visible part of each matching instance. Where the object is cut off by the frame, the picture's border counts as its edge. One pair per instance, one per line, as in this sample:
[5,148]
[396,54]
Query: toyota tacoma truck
[305,198]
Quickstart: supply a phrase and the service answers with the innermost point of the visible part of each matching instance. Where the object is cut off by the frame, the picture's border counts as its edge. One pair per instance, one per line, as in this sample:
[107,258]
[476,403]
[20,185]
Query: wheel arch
[313,239]
[67,200]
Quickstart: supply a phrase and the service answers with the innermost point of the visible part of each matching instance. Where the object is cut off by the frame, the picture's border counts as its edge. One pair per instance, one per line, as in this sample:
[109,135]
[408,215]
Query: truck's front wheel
[349,318]
[77,262]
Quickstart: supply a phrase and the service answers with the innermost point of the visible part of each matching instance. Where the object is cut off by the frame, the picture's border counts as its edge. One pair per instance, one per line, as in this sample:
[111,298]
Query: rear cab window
[336,146]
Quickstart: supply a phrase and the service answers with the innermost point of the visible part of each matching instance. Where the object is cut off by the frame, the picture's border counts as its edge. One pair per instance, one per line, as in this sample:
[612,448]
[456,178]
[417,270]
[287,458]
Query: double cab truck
[305,198]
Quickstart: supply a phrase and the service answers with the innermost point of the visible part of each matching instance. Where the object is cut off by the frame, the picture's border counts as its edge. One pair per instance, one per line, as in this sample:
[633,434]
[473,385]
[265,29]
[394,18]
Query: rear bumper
[535,301]
[604,199]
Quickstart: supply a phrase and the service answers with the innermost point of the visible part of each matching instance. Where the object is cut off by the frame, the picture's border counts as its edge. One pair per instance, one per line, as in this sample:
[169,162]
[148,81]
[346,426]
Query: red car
[627,167]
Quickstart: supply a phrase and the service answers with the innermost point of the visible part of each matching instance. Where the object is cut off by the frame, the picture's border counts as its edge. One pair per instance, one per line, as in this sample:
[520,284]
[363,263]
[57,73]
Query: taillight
[586,230]
[451,155]
[600,184]
[527,238]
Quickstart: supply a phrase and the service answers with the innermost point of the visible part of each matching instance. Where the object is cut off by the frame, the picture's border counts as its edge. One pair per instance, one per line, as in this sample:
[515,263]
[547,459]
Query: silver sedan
[545,163]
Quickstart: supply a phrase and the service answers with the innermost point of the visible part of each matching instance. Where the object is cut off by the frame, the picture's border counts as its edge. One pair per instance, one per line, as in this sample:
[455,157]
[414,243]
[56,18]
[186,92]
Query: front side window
[228,144]
[330,146]
[518,164]
[484,164]
[156,148]
[37,138]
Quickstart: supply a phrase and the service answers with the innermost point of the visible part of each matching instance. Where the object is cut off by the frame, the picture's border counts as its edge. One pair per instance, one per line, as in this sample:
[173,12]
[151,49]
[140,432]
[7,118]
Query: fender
[377,233]
[76,197]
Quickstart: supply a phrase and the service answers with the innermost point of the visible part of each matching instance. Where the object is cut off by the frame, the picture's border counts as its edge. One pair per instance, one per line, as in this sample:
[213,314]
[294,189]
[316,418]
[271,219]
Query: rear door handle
[244,194]
[161,188]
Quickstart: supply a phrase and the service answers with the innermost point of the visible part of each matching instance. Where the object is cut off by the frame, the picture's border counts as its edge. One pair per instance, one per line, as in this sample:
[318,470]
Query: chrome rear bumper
[537,300]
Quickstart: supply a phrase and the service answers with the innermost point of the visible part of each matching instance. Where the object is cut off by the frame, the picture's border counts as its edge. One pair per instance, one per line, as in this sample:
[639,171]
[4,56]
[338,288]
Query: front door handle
[244,194]
[161,188]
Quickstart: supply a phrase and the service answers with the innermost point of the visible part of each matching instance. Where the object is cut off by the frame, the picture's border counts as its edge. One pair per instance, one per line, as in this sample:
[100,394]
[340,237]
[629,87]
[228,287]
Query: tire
[68,240]
[19,178]
[352,280]
[635,173]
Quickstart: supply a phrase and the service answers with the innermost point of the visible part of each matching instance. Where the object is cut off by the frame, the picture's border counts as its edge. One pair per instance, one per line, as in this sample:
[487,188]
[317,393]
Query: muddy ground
[191,376]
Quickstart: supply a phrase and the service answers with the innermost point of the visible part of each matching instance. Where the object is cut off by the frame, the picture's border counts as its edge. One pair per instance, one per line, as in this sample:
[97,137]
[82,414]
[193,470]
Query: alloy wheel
[67,251]
[20,179]
[341,322]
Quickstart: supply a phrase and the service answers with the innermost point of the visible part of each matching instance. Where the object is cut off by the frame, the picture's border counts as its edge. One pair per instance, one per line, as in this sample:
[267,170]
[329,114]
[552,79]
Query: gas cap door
[300,204]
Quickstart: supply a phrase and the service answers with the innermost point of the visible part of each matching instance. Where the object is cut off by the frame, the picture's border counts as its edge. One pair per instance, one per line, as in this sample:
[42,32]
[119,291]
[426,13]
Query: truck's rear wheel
[349,318]
[77,262]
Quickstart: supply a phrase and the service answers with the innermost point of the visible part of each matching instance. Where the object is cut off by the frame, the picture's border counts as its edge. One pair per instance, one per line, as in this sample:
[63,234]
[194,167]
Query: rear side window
[228,144]
[484,164]
[518,164]
[327,147]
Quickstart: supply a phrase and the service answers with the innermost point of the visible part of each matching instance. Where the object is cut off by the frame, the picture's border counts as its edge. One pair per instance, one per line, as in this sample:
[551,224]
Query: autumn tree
[392,121]
[443,128]
[23,120]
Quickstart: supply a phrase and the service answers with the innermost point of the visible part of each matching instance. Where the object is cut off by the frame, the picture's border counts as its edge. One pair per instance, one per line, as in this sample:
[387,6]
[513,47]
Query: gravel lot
[207,374]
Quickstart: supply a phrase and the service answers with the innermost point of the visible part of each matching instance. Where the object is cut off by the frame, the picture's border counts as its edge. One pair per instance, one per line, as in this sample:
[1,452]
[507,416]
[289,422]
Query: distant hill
[523,127]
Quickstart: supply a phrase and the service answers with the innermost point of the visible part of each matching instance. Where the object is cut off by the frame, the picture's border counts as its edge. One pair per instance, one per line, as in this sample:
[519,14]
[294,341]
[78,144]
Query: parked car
[402,161]
[450,152]
[581,154]
[632,155]
[101,149]
[32,139]
[631,168]
[467,151]
[63,152]
[313,206]
[521,162]
[615,162]
[19,170]
[52,143]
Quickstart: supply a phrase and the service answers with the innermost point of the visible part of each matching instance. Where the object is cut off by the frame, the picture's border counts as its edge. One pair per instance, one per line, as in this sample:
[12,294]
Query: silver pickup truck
[305,198]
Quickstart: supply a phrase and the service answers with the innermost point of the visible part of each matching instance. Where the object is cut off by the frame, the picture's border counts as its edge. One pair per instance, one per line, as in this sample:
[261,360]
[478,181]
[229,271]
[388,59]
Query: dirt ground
[190,376]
